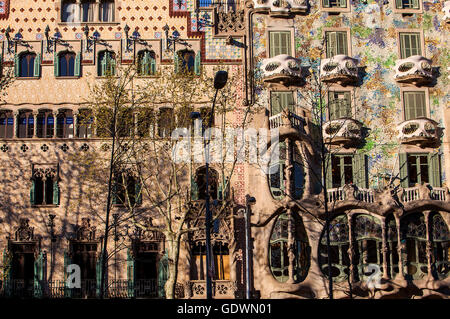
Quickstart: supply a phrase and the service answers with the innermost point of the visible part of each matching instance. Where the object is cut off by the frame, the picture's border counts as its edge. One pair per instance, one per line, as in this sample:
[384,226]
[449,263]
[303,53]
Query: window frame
[422,41]
[5,129]
[290,50]
[348,39]
[342,166]
[286,93]
[337,9]
[406,89]
[402,10]
[333,90]
[96,18]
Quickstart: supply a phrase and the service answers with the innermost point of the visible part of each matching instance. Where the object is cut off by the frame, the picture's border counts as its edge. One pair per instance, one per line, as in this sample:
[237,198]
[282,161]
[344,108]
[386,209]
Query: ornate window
[84,124]
[221,261]
[200,183]
[107,63]
[280,43]
[286,238]
[392,246]
[186,61]
[414,242]
[339,244]
[368,243]
[26,124]
[125,122]
[341,170]
[6,124]
[27,64]
[64,124]
[146,63]
[67,64]
[441,247]
[45,124]
[334,3]
[107,10]
[44,186]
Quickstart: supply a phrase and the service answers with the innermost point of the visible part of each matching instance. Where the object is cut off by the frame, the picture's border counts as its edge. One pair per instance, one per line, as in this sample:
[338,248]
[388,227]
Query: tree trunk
[173,254]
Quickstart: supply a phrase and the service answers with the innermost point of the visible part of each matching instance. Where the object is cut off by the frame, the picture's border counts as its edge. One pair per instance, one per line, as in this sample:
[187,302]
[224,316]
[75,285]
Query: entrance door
[85,256]
[22,270]
[146,274]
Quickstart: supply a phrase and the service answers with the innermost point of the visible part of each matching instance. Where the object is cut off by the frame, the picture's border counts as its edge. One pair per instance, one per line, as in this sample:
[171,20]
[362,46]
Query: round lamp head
[220,79]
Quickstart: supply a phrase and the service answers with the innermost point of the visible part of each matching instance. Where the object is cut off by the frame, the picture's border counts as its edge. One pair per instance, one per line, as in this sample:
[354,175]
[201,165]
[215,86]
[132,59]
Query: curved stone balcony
[280,8]
[340,69]
[419,131]
[415,69]
[446,10]
[282,69]
[343,131]
[288,123]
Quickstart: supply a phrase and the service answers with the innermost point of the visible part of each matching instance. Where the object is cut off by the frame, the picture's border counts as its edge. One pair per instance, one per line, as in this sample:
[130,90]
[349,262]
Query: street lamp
[249,201]
[220,79]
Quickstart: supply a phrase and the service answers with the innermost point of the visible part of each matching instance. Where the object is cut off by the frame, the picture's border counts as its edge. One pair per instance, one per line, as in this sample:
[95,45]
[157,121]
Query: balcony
[420,131]
[221,289]
[288,123]
[280,8]
[344,132]
[282,69]
[340,69]
[416,70]
[349,191]
[446,10]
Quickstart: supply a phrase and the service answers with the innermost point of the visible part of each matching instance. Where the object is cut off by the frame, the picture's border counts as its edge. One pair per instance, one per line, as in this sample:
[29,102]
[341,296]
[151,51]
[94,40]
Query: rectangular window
[341,170]
[334,3]
[417,169]
[107,11]
[87,8]
[280,101]
[339,105]
[280,43]
[414,105]
[336,43]
[409,44]
[407,4]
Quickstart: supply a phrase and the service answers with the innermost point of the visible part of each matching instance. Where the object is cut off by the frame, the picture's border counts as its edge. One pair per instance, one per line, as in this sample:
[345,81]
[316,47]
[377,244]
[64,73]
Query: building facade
[357,92]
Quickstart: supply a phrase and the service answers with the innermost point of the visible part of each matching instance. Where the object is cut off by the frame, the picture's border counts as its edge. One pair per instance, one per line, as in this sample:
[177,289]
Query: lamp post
[220,79]
[248,202]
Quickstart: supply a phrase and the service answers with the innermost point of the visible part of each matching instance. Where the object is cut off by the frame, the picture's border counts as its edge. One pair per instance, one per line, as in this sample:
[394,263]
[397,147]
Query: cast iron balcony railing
[340,69]
[420,131]
[288,123]
[415,69]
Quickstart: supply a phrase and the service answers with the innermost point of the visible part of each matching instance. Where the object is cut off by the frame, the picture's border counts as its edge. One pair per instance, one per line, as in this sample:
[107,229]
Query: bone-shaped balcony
[282,69]
[420,131]
[415,69]
[280,8]
[340,69]
[344,132]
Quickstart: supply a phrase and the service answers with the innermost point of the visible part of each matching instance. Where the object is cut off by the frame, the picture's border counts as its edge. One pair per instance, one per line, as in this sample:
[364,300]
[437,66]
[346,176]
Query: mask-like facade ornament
[421,131]
[415,69]
[86,232]
[282,69]
[343,131]
[340,69]
[280,7]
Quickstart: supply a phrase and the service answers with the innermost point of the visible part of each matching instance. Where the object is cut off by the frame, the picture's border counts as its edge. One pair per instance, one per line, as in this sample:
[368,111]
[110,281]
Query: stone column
[350,251]
[35,114]
[399,248]
[97,11]
[288,168]
[429,247]
[136,120]
[384,249]
[291,240]
[16,124]
[55,122]
[75,124]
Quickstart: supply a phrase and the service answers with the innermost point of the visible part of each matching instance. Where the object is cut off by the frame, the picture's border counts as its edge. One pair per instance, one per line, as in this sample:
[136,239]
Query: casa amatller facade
[380,66]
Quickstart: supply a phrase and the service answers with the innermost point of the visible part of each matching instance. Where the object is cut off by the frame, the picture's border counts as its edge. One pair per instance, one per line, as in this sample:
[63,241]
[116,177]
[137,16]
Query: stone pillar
[429,247]
[291,240]
[35,114]
[55,122]
[288,168]
[384,249]
[16,124]
[97,11]
[350,251]
[75,124]
[135,121]
[399,248]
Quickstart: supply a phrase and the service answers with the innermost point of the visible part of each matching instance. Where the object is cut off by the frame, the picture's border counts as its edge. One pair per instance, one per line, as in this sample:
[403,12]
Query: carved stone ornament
[24,232]
[86,232]
[232,21]
[45,172]
[415,69]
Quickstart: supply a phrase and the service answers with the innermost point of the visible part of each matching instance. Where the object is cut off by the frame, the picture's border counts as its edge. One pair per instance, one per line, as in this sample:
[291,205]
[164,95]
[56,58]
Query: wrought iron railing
[222,5]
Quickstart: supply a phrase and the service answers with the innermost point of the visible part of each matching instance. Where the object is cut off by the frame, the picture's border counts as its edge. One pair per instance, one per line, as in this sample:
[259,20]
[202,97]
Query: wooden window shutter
[399,4]
[328,171]
[275,103]
[403,169]
[285,43]
[331,39]
[112,65]
[415,4]
[341,43]
[326,3]
[152,66]
[130,273]
[98,271]
[144,64]
[16,65]
[38,275]
[403,51]
[55,63]
[32,192]
[37,65]
[343,3]
[347,106]
[360,170]
[198,63]
[290,101]
[77,66]
[434,169]
[163,274]
[415,44]
[420,104]
[176,62]
[55,193]
[274,43]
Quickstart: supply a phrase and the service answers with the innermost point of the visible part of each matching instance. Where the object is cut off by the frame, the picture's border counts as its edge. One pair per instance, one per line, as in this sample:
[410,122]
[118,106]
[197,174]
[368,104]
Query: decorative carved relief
[86,232]
[24,232]
[415,69]
[232,21]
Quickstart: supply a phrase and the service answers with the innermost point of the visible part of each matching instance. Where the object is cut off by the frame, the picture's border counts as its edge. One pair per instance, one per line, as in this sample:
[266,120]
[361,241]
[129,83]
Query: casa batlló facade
[381,67]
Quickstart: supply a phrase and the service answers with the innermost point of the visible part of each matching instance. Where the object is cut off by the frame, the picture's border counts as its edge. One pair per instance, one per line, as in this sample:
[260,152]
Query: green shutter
[98,270]
[152,66]
[112,66]
[415,4]
[275,103]
[274,39]
[343,3]
[360,170]
[138,192]
[414,105]
[403,169]
[434,169]
[328,172]
[67,262]
[347,106]
[280,43]
[38,275]
[326,3]
[103,65]
[16,65]
[55,193]
[198,61]
[55,63]
[399,4]
[176,62]
[331,39]
[194,189]
[163,274]
[341,41]
[290,101]
[7,272]
[37,66]
[114,192]
[144,64]
[77,67]
[130,273]
[32,193]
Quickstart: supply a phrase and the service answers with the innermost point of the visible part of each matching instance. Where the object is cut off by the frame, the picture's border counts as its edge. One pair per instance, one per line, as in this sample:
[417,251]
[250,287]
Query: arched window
[84,124]
[66,64]
[64,124]
[441,247]
[413,237]
[392,245]
[200,181]
[367,244]
[107,10]
[166,122]
[279,246]
[107,63]
[6,124]
[146,63]
[44,188]
[27,64]
[26,124]
[185,61]
[339,245]
[45,124]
